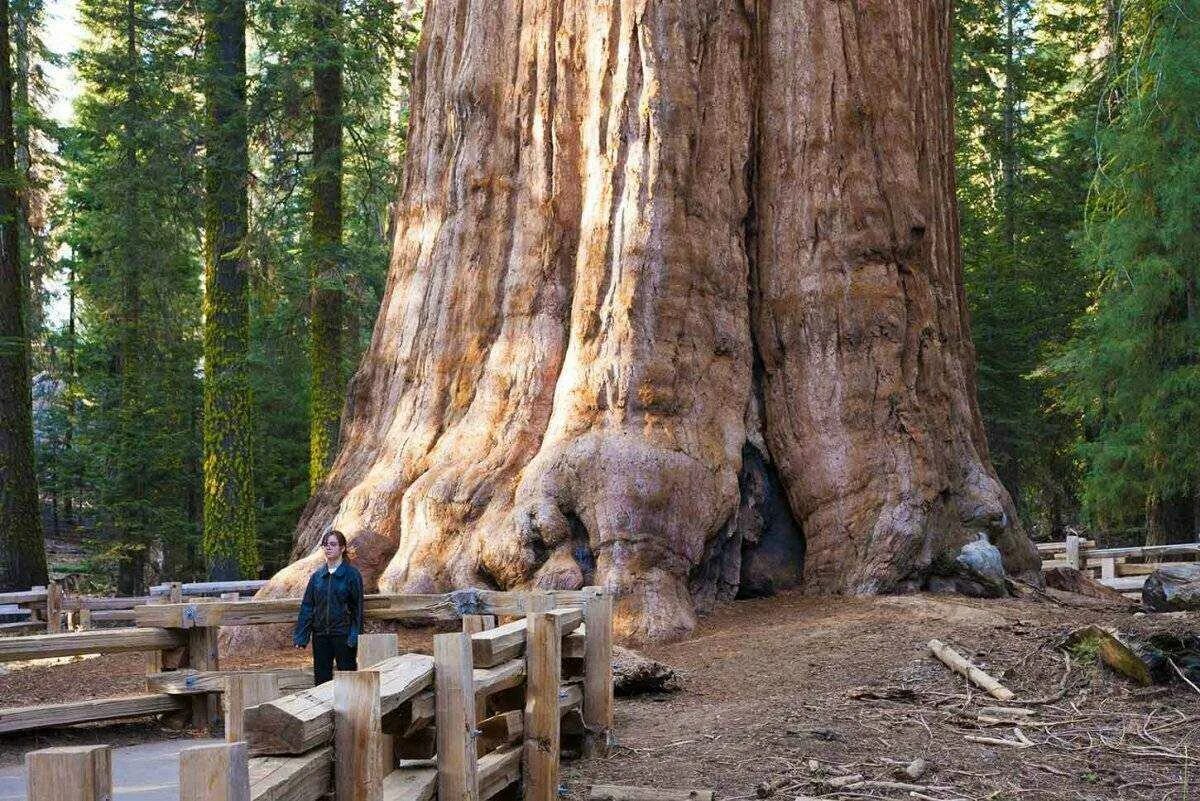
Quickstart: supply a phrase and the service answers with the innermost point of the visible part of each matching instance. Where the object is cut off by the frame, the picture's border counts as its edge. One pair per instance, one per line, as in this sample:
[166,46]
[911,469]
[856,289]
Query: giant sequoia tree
[675,306]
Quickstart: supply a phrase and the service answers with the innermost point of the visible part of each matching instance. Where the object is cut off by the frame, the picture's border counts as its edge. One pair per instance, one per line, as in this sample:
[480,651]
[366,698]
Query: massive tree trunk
[675,307]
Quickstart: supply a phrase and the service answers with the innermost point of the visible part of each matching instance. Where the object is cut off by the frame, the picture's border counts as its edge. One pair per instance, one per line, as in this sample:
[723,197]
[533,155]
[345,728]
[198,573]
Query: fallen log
[611,792]
[304,720]
[961,665]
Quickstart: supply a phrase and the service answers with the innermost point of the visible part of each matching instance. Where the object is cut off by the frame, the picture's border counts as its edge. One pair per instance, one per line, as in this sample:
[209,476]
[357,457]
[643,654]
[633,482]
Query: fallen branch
[961,665]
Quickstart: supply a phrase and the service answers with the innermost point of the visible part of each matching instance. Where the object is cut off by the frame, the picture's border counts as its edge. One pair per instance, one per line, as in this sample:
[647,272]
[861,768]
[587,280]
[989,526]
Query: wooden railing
[492,706]
[1122,569]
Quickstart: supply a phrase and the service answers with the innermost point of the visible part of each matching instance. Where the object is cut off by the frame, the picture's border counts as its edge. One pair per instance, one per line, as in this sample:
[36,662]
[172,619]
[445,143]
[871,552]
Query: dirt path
[802,690]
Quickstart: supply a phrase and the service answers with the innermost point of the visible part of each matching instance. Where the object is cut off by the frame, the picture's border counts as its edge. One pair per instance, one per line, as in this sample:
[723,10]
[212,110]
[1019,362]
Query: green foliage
[1131,370]
[1026,79]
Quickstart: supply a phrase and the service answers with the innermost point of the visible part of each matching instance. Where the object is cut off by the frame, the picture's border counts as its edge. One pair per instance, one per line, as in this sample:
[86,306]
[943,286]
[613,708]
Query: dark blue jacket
[333,604]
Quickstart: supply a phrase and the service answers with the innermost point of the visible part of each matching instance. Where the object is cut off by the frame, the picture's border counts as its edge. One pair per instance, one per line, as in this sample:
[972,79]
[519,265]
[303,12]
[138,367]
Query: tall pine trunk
[326,297]
[230,544]
[22,550]
[675,307]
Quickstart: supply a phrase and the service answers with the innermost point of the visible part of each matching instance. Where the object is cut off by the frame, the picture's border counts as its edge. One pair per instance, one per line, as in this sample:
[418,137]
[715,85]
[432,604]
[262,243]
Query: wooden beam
[410,784]
[356,714]
[301,778]
[73,773]
[24,596]
[598,674]
[40,716]
[295,723]
[412,716]
[241,691]
[490,648]
[218,772]
[455,701]
[498,770]
[499,731]
[190,682]
[543,670]
[209,587]
[107,641]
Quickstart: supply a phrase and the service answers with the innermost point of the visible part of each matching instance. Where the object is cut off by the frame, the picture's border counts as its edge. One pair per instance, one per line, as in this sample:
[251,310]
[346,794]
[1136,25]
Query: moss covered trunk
[230,544]
[675,307]
[328,387]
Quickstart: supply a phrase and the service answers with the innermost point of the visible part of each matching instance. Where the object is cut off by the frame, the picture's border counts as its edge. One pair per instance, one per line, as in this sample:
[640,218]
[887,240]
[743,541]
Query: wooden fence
[1122,569]
[494,705]
[50,609]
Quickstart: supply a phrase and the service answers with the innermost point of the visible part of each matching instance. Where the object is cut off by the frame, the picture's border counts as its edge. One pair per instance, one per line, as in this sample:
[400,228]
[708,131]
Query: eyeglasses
[333,545]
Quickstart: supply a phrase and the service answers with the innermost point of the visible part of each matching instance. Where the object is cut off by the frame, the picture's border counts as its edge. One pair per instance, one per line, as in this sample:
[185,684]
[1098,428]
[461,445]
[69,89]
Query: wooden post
[473,624]
[54,608]
[175,592]
[374,648]
[356,736]
[243,690]
[1073,557]
[83,620]
[543,675]
[1108,568]
[454,685]
[73,773]
[203,655]
[597,673]
[218,772]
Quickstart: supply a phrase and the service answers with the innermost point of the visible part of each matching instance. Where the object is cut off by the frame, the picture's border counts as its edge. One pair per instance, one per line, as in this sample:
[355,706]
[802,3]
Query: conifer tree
[230,536]
[22,553]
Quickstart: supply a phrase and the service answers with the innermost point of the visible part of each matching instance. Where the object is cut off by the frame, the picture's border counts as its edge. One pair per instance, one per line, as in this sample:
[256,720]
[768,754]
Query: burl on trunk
[675,307]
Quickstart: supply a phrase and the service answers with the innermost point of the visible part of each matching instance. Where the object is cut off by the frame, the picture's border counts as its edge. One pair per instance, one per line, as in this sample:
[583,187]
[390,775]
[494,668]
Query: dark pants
[327,648]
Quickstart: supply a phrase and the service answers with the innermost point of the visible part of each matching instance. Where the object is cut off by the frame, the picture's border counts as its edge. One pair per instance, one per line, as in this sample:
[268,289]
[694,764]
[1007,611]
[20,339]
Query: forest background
[1078,171]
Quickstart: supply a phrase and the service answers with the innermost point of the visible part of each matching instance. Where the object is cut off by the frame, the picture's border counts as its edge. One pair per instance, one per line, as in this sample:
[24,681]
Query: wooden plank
[244,690]
[23,597]
[598,674]
[490,648]
[609,792]
[412,716]
[498,770]
[488,681]
[373,648]
[357,717]
[19,628]
[455,702]
[210,587]
[108,641]
[301,778]
[72,773]
[22,718]
[499,731]
[410,784]
[218,772]
[543,672]
[189,682]
[1146,550]
[295,723]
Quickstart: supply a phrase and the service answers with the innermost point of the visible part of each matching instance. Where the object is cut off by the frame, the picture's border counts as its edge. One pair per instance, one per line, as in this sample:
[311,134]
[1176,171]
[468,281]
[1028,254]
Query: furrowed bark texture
[675,307]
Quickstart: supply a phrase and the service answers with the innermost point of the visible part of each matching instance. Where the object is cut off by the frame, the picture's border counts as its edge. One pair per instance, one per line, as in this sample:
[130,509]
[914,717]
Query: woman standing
[332,611]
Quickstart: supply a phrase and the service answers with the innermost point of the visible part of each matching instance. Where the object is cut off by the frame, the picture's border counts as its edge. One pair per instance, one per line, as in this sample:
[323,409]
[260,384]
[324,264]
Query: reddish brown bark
[672,283]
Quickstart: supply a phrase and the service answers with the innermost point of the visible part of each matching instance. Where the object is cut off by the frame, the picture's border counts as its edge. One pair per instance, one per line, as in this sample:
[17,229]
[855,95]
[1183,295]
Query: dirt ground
[796,693]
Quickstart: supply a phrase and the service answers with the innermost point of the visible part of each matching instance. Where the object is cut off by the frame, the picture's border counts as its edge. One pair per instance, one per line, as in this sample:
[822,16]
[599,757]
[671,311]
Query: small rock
[914,770]
[635,673]
[981,569]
